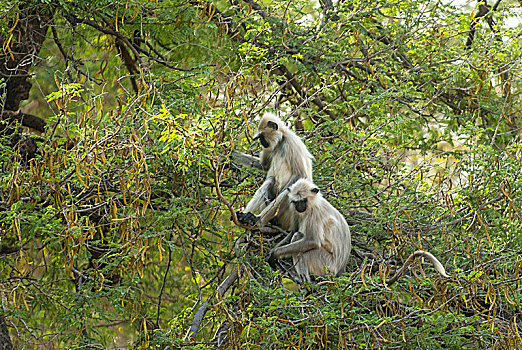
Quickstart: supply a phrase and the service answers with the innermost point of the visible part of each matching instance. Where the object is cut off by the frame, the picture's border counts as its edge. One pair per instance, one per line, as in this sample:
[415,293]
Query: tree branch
[202,310]
[27,120]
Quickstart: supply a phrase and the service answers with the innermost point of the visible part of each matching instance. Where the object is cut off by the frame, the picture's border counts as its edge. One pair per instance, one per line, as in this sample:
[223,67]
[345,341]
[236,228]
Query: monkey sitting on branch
[286,159]
[322,244]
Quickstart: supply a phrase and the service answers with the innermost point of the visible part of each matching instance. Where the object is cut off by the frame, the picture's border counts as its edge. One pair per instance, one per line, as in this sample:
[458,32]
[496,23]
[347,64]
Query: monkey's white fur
[322,244]
[286,159]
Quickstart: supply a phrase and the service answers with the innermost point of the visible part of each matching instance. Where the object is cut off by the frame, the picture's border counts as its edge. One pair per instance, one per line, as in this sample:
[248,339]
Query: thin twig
[164,278]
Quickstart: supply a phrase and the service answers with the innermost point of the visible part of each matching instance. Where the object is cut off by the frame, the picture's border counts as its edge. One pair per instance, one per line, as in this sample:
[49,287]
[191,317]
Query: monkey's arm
[295,248]
[263,194]
[246,160]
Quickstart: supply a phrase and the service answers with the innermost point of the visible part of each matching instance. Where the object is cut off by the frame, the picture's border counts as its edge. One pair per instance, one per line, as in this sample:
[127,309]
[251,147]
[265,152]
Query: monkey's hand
[247,219]
[271,260]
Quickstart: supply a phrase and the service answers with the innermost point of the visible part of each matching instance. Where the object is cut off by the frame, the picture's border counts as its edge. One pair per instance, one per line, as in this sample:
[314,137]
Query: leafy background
[115,228]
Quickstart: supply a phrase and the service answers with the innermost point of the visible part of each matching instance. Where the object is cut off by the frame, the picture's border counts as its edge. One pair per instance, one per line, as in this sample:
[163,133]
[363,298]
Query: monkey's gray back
[336,238]
[287,162]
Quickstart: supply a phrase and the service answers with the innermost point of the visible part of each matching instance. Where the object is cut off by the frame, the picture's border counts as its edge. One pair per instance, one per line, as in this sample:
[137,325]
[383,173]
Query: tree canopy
[119,120]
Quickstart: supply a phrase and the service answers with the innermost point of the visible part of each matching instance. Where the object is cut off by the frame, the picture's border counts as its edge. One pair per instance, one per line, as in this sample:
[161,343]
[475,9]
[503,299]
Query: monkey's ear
[315,190]
[272,125]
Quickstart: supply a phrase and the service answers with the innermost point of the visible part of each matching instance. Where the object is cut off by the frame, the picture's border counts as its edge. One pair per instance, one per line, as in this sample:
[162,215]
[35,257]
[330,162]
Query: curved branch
[18,57]
[202,310]
[419,253]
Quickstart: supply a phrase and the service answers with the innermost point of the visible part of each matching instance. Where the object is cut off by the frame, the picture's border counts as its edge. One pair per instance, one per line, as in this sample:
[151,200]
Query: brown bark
[22,46]
[22,49]
[24,119]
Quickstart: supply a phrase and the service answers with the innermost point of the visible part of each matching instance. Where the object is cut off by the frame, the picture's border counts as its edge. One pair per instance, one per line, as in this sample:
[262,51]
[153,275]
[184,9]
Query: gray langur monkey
[322,244]
[286,159]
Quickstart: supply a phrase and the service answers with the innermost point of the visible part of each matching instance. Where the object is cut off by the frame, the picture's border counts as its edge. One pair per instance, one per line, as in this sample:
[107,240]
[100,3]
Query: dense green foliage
[117,228]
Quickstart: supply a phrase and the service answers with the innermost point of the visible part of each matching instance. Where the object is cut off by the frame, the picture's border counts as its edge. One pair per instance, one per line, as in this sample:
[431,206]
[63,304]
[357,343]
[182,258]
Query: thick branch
[17,58]
[129,62]
[483,11]
[7,250]
[202,310]
[27,120]
[5,340]
[259,9]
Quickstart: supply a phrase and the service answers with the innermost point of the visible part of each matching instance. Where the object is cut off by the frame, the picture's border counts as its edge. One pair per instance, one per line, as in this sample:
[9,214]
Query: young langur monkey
[322,244]
[286,159]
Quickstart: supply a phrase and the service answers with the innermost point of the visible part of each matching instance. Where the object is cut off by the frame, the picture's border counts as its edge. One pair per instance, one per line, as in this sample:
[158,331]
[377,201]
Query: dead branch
[202,310]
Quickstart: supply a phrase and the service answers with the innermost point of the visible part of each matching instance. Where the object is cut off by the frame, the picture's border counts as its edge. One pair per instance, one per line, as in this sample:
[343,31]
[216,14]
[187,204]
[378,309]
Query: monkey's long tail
[434,261]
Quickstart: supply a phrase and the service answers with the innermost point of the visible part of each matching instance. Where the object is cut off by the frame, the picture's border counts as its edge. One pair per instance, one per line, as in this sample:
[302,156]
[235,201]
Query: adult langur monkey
[322,244]
[286,159]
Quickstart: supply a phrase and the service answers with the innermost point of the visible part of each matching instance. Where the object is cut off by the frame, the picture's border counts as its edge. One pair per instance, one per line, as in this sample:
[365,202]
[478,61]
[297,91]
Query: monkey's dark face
[263,141]
[302,195]
[268,133]
[300,205]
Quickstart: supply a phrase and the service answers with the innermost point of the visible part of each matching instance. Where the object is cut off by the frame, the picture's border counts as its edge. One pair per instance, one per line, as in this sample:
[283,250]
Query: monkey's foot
[247,219]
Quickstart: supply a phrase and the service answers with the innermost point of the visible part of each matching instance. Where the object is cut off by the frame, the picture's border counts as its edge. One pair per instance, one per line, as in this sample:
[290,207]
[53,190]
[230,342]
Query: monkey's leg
[259,199]
[301,269]
[293,249]
[300,262]
[320,262]
[271,209]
